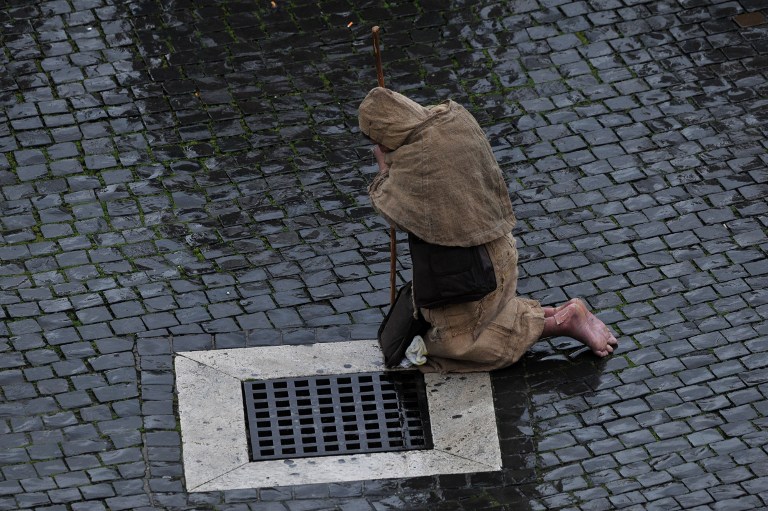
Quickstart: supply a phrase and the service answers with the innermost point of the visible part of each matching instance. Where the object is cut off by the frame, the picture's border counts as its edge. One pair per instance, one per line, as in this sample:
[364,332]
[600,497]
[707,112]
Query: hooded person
[444,186]
[440,182]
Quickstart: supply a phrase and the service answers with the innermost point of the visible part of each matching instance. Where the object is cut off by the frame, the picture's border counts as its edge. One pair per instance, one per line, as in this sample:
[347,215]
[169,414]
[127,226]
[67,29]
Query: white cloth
[416,354]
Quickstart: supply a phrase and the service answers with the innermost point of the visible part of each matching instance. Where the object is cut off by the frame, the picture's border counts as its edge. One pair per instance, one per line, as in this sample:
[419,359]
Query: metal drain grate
[337,414]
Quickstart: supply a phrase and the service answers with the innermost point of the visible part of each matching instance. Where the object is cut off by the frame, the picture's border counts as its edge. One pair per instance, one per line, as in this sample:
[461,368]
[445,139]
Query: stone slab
[214,435]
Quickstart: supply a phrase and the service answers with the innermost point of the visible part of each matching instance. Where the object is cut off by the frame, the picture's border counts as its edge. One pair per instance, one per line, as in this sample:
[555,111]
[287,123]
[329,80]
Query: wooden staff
[392,234]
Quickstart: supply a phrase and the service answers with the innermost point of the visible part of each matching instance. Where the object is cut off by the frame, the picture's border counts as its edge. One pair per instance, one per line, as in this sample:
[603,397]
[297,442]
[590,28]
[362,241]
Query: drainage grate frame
[336,415]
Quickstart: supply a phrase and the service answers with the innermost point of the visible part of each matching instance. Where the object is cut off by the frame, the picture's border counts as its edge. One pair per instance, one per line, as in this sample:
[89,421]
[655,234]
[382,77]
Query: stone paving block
[190,195]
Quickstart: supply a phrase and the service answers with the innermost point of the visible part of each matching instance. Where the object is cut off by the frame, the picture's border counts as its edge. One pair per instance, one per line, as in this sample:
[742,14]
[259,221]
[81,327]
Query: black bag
[400,327]
[445,275]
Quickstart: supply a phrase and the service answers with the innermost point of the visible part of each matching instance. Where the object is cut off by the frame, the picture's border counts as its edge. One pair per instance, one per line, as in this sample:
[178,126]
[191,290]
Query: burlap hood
[443,184]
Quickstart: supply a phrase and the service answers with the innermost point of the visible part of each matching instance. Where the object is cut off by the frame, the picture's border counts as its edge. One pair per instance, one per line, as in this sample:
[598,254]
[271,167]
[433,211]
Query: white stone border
[214,436]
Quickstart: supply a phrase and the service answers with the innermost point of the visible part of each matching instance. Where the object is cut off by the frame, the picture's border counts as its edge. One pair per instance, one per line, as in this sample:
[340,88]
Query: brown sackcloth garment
[488,334]
[445,186]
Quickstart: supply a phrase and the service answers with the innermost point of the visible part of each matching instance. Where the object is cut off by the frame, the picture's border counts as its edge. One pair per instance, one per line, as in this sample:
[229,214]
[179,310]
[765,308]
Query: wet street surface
[189,175]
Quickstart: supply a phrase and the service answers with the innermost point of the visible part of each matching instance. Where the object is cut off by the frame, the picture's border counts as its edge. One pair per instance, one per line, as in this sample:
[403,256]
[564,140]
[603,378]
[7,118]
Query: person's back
[443,182]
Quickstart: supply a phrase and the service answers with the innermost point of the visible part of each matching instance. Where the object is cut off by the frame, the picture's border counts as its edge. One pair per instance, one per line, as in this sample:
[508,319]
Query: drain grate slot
[336,414]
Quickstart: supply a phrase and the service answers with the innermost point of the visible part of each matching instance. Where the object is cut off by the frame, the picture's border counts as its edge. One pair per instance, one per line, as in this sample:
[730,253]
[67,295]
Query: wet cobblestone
[189,175]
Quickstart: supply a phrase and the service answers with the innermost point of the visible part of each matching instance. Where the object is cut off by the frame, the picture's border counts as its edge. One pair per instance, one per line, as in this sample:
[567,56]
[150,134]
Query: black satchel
[400,327]
[445,275]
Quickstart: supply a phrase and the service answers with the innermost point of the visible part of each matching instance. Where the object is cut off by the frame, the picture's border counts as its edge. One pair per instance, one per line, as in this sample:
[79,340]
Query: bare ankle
[551,328]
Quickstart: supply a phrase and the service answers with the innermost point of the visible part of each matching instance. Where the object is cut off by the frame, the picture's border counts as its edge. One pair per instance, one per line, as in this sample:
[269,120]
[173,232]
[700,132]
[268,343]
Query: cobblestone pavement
[188,175]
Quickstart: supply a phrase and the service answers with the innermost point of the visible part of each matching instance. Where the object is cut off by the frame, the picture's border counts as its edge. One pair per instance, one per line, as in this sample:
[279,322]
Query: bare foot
[574,320]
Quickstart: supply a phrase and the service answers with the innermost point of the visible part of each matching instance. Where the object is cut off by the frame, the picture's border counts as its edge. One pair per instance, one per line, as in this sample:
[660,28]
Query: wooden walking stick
[392,234]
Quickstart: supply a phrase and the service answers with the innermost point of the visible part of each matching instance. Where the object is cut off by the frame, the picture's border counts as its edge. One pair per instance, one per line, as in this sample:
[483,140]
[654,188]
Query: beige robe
[445,186]
[490,333]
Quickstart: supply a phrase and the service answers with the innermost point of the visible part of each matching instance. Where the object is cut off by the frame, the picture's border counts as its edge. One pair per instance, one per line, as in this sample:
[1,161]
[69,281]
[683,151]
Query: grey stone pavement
[188,175]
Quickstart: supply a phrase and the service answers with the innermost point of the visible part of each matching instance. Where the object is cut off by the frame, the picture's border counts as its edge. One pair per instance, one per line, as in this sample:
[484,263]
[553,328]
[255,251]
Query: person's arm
[381,177]
[378,152]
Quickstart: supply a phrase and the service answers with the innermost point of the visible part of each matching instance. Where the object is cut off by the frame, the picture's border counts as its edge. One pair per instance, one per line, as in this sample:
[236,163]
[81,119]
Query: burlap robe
[445,186]
[488,334]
